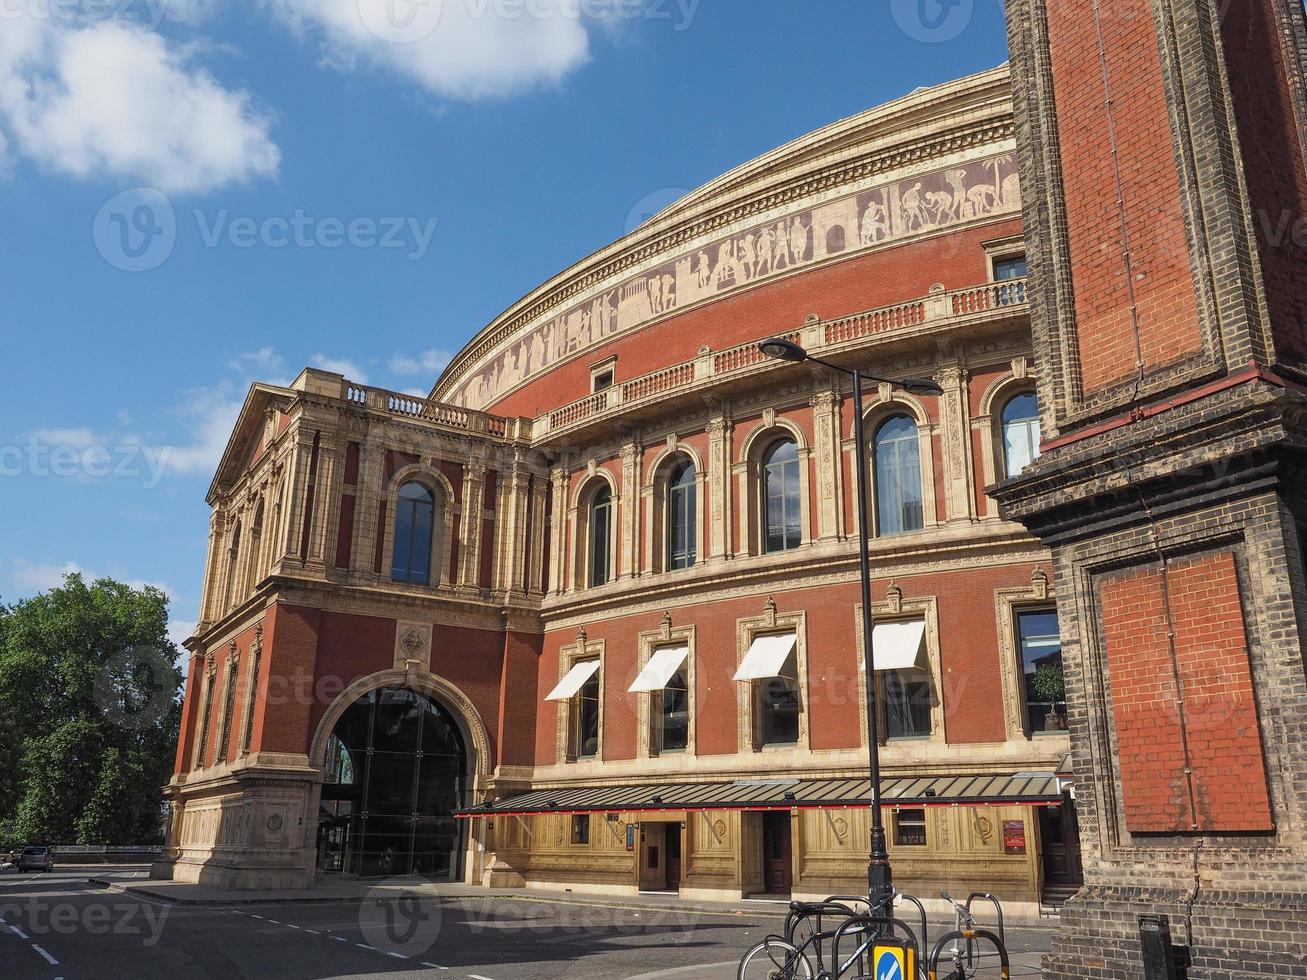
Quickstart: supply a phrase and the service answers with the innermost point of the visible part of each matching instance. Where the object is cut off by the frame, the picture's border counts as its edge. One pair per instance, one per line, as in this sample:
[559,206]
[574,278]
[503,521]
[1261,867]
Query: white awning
[573,681]
[766,657]
[898,646]
[660,668]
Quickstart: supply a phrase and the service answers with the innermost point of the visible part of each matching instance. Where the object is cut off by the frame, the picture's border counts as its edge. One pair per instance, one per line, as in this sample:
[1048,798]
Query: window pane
[898,477]
[907,703]
[681,517]
[779,707]
[910,828]
[1020,433]
[783,503]
[675,713]
[1041,664]
[600,529]
[414,524]
[587,718]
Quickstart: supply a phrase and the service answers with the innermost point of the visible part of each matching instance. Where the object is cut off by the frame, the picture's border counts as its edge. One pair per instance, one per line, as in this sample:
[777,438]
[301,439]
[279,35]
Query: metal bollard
[1155,938]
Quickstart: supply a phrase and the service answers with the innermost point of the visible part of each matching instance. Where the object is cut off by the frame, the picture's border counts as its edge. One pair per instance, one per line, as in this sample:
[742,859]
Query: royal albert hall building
[587,616]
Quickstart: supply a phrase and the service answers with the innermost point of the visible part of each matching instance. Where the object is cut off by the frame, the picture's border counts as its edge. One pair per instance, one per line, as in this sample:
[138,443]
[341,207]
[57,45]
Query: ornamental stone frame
[252,688]
[653,496]
[746,629]
[895,608]
[445,528]
[650,641]
[1039,594]
[583,649]
[748,470]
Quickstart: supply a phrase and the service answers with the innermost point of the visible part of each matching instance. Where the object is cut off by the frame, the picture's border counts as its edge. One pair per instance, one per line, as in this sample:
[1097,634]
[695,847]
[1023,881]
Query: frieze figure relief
[918,205]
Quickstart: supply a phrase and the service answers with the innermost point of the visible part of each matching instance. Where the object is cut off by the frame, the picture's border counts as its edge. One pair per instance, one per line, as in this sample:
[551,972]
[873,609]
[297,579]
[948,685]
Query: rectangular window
[586,732]
[1007,269]
[907,703]
[910,828]
[602,380]
[674,714]
[1041,666]
[778,706]
[581,828]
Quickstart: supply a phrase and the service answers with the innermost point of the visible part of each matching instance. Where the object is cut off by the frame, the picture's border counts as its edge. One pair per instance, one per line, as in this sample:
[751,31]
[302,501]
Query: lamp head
[783,350]
[920,386]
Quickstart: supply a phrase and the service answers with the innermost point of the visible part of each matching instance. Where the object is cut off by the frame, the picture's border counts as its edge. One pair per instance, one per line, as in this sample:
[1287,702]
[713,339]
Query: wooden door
[653,872]
[1059,836]
[776,853]
[672,850]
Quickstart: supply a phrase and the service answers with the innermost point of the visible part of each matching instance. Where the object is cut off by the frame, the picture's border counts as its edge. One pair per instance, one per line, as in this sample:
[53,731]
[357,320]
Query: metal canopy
[1027,789]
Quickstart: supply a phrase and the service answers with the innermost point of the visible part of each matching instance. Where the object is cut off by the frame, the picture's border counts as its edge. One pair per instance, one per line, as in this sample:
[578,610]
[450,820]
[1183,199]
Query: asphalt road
[58,925]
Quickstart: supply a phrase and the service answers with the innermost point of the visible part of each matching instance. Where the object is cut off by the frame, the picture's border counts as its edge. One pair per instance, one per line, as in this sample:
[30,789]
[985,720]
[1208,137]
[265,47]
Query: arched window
[415,518]
[232,586]
[1020,433]
[781,497]
[601,533]
[254,570]
[898,476]
[681,516]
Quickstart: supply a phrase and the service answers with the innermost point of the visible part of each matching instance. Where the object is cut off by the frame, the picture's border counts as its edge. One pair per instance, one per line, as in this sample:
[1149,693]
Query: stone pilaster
[557,533]
[469,532]
[630,507]
[955,444]
[719,486]
[826,442]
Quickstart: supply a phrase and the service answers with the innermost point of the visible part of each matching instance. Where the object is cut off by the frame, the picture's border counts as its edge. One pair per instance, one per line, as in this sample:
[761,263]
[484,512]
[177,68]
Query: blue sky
[195,194]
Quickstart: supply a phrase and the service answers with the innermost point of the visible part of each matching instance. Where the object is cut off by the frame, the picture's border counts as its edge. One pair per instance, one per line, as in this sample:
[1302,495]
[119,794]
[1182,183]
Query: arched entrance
[395,769]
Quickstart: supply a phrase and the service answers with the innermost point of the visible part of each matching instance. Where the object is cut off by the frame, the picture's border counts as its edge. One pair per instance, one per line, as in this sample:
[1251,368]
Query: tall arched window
[254,569]
[415,517]
[781,497]
[1020,433]
[898,476]
[682,516]
[232,585]
[601,534]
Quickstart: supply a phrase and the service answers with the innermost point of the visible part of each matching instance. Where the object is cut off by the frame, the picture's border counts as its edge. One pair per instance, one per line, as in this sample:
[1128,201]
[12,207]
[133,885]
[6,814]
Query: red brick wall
[1163,286]
[345,530]
[862,283]
[972,691]
[1272,149]
[1219,724]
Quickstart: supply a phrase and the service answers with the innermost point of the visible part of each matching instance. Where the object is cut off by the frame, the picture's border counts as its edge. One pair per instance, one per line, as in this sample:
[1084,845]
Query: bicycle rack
[998,910]
[969,934]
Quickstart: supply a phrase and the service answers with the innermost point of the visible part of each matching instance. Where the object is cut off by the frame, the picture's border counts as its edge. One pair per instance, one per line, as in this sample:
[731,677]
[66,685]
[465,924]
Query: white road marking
[313,932]
[273,921]
[48,958]
[398,956]
[19,933]
[434,966]
[366,946]
[289,925]
[477,976]
[340,939]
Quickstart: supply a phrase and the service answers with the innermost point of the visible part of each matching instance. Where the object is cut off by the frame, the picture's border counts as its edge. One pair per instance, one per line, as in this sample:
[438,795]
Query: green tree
[92,703]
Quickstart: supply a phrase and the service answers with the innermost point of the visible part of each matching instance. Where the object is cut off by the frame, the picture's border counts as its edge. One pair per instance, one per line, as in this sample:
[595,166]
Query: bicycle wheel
[774,959]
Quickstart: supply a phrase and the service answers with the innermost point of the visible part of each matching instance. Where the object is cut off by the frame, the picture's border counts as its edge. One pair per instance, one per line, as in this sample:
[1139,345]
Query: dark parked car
[36,859]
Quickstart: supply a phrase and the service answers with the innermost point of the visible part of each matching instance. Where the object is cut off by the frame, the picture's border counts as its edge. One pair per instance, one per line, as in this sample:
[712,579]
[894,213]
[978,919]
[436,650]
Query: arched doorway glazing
[395,770]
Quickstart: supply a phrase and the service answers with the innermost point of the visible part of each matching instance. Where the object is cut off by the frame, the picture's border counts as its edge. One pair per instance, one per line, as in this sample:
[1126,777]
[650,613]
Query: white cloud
[112,98]
[211,415]
[265,362]
[428,362]
[81,438]
[34,577]
[465,49]
[338,365]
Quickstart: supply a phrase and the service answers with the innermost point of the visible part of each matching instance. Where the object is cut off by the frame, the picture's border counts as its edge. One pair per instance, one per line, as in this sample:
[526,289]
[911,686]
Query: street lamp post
[880,880]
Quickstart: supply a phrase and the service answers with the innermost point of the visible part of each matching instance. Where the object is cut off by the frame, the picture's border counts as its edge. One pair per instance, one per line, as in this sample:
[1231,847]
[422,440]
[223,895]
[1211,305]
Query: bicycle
[966,958]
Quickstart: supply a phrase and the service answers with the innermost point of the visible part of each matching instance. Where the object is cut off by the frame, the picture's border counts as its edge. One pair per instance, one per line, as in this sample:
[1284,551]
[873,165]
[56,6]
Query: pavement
[110,923]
